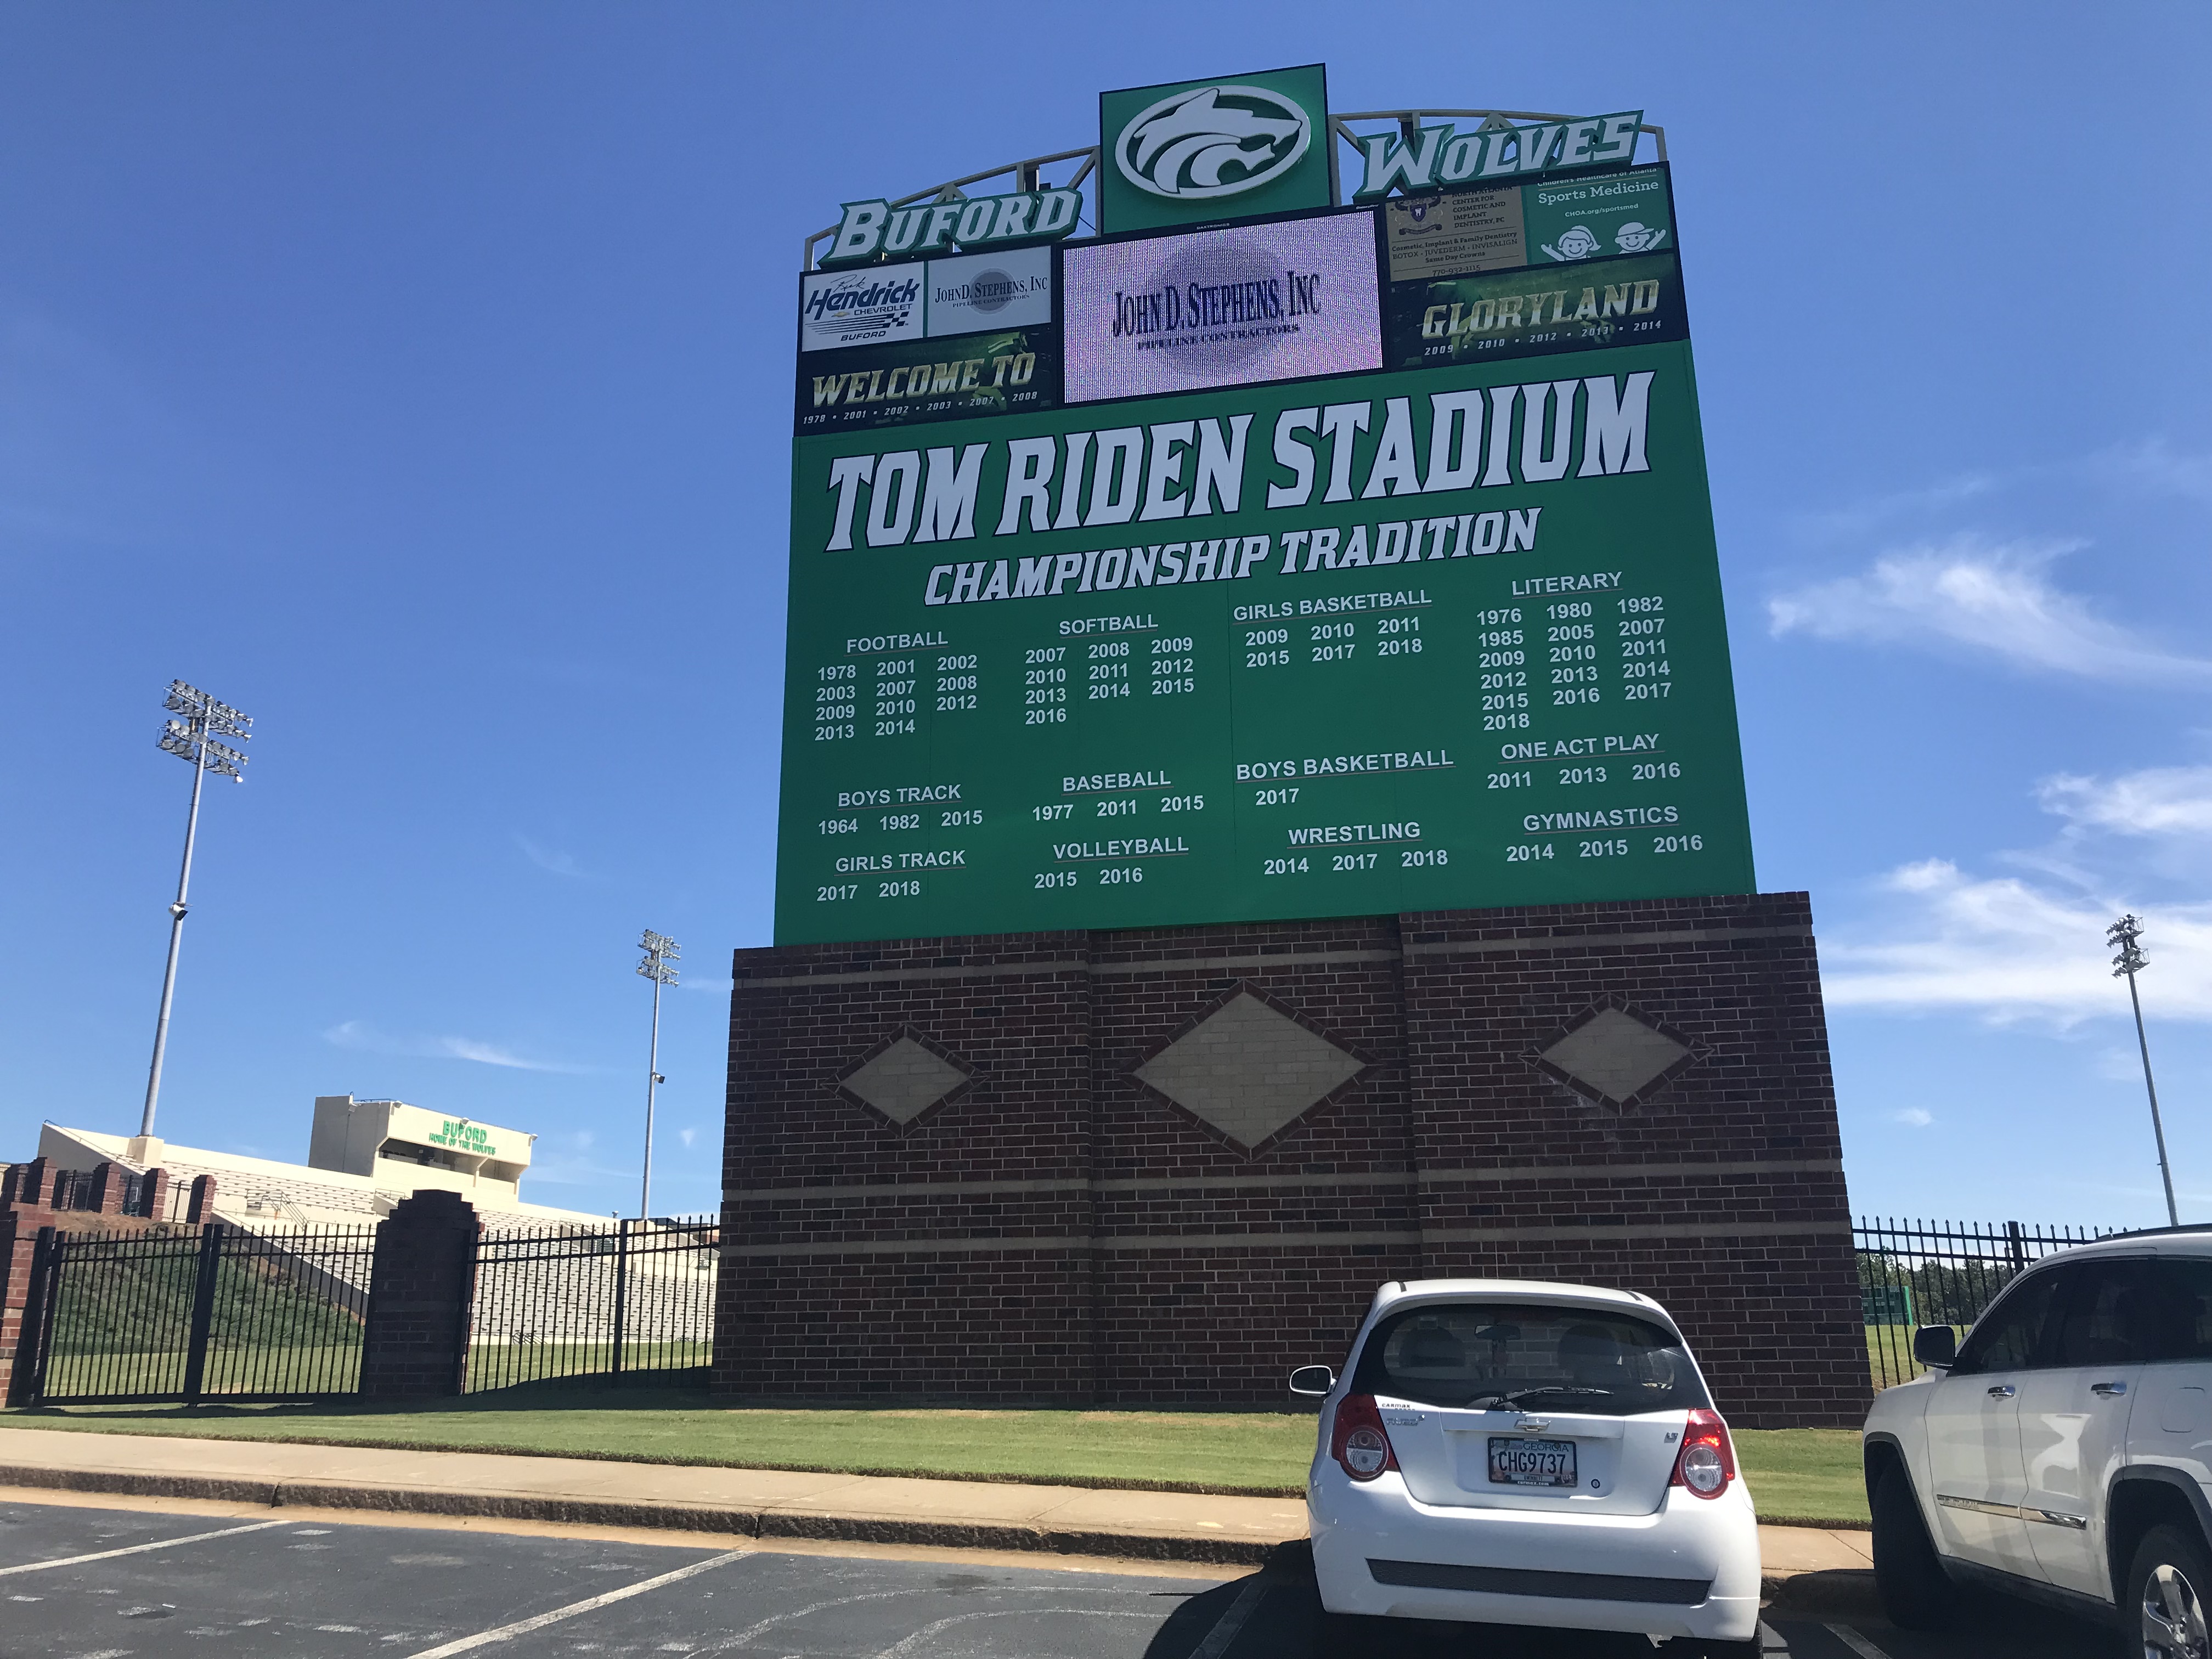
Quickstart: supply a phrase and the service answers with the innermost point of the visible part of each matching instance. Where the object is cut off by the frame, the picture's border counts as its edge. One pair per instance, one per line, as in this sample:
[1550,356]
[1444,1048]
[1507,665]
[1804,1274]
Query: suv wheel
[1916,1593]
[2167,1586]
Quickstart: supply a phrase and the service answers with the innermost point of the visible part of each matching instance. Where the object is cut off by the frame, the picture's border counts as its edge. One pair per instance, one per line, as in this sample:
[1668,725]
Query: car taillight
[1359,1442]
[1706,1463]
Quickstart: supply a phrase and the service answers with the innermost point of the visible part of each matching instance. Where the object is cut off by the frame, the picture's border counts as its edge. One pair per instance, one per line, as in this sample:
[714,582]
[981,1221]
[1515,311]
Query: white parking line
[916,1640]
[1857,1643]
[1247,1602]
[139,1549]
[523,1626]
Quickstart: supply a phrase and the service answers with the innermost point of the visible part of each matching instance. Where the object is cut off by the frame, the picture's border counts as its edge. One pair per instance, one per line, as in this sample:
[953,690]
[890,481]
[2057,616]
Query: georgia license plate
[1517,1462]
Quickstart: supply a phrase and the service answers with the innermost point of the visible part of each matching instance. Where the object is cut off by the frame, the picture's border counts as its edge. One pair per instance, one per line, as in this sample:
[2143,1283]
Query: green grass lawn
[1804,1474]
[1795,1474]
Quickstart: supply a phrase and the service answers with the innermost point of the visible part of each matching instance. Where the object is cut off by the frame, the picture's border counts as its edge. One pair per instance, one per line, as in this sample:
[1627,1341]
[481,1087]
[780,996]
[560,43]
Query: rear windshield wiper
[1485,1401]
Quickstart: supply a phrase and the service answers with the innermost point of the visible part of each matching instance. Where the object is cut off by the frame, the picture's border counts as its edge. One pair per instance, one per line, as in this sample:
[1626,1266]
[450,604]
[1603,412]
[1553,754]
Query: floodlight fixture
[207,713]
[2125,937]
[192,737]
[661,954]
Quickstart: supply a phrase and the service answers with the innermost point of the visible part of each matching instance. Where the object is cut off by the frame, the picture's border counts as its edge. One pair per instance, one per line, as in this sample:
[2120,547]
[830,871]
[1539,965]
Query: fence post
[622,1286]
[110,1187]
[203,1311]
[2016,1245]
[33,1183]
[416,1344]
[465,1308]
[23,1371]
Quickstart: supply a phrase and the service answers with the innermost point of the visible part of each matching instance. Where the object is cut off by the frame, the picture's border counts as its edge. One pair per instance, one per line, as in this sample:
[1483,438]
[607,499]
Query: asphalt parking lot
[81,1582]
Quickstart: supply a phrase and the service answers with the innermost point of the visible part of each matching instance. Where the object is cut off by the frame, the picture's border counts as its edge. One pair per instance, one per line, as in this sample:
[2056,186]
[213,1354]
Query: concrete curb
[1809,1590]
[1828,1590]
[607,1512]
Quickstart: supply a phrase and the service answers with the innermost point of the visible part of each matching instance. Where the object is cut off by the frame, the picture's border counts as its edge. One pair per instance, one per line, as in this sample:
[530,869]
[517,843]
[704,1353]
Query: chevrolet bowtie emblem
[1533,1425]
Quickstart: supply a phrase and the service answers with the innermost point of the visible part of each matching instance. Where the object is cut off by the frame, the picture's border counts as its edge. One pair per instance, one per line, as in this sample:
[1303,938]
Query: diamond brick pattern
[904,1081]
[1248,1070]
[1613,1057]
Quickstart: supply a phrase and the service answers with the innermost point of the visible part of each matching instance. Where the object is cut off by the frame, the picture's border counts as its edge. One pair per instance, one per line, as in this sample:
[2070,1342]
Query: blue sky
[416,378]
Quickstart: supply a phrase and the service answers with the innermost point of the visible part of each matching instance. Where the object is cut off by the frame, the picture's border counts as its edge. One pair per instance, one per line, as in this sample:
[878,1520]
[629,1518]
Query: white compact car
[1509,1452]
[2064,1452]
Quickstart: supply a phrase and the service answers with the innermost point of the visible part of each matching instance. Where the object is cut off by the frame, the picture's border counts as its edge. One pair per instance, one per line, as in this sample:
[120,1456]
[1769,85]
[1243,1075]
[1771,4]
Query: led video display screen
[1235,307]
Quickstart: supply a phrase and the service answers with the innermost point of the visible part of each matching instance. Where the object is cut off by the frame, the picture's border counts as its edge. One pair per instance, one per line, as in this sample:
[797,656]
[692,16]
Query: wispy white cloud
[1916,1117]
[2158,801]
[356,1035]
[1857,517]
[1993,597]
[567,1160]
[2033,947]
[2013,950]
[352,1034]
[548,857]
[486,1054]
[2119,1065]
[2157,464]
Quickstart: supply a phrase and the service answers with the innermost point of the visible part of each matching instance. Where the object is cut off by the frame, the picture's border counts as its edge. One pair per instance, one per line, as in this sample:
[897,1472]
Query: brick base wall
[1057,1228]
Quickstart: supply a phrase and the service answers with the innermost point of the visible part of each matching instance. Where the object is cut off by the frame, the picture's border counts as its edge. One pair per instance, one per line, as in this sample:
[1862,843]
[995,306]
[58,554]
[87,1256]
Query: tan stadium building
[363,1157]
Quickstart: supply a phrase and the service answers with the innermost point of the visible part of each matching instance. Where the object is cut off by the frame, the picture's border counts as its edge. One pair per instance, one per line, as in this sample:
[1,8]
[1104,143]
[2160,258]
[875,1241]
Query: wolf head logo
[1218,141]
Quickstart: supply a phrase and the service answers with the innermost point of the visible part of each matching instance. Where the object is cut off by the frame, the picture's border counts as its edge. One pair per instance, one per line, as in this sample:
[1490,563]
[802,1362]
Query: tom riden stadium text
[1191,469]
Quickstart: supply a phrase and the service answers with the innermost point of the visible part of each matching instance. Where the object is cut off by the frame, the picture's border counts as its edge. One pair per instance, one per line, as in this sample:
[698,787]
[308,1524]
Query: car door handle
[2108,1390]
[2002,1391]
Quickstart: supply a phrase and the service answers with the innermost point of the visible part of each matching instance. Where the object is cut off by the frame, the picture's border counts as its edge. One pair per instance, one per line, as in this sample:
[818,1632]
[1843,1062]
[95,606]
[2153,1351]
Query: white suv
[2064,1452]
[1510,1452]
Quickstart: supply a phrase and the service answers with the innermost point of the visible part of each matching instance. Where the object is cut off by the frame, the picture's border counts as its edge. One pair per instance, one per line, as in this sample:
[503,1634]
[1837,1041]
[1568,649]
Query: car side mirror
[1312,1381]
[1936,1345]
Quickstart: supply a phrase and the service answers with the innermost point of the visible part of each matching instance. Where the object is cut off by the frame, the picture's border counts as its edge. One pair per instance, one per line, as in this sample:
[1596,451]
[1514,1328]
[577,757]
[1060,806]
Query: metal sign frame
[1025,173]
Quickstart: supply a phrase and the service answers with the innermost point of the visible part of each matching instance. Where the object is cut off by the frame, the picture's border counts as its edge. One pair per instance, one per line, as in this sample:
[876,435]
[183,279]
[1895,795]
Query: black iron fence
[635,1299]
[1940,1273]
[214,1312]
[278,1311]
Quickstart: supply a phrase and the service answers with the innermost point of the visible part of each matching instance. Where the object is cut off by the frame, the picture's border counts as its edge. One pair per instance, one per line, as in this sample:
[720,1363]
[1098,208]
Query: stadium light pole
[193,737]
[660,952]
[2128,960]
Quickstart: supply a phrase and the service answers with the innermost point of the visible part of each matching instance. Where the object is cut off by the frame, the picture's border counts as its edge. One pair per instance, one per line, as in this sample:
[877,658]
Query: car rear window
[1534,1357]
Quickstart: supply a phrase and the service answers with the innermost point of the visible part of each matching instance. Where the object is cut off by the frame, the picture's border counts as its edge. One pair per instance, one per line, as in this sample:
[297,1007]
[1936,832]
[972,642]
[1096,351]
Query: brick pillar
[202,1206]
[107,1187]
[19,1242]
[418,1298]
[155,1202]
[14,1271]
[26,1183]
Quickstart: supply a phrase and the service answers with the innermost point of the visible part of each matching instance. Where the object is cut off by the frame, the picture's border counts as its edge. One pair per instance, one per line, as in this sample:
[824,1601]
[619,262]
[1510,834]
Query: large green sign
[1437,638]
